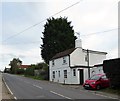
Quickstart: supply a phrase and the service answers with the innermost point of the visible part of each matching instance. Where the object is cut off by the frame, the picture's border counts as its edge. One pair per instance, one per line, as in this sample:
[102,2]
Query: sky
[93,19]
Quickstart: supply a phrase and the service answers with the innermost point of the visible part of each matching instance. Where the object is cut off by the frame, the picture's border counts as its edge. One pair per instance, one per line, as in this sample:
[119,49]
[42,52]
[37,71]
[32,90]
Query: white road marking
[15,98]
[60,95]
[9,89]
[37,86]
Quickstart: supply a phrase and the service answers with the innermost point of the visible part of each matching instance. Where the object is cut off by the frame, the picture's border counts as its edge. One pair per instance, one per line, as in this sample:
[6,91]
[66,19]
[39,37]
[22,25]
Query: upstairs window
[58,73]
[86,58]
[64,60]
[53,62]
[74,72]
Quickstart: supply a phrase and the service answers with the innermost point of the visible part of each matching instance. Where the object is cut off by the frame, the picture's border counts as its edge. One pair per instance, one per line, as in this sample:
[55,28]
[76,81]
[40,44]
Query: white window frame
[74,72]
[86,58]
[65,73]
[53,62]
[58,73]
[53,74]
[64,60]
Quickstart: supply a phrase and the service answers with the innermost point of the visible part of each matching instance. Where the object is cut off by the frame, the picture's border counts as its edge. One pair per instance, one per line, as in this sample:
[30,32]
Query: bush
[20,71]
[30,71]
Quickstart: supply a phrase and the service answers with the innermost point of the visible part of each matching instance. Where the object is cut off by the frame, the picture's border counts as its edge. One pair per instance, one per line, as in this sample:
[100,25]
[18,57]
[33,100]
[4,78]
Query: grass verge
[34,77]
[111,90]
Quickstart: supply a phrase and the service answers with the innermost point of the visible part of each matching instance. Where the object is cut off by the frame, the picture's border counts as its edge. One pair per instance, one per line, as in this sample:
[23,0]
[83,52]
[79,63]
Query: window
[74,72]
[64,60]
[86,58]
[53,74]
[65,73]
[58,73]
[53,62]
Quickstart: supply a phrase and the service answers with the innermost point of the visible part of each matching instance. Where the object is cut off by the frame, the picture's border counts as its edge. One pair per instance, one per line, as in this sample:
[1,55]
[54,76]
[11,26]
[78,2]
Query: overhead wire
[100,32]
[40,22]
[105,31]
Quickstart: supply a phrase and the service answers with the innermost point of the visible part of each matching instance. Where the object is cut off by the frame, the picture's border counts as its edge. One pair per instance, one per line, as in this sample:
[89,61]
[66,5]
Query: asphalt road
[27,88]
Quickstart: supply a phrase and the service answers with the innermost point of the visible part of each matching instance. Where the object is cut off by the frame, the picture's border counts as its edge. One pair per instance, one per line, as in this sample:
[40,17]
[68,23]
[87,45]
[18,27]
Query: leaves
[14,65]
[58,36]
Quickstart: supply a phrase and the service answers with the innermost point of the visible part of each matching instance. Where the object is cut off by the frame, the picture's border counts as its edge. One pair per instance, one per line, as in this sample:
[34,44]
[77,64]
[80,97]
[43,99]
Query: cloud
[88,16]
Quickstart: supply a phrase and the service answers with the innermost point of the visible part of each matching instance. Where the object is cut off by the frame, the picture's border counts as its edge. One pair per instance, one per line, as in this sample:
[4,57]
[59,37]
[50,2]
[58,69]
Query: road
[27,88]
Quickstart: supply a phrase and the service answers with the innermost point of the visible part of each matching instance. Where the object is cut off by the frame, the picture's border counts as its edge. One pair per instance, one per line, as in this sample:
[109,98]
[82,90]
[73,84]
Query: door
[81,76]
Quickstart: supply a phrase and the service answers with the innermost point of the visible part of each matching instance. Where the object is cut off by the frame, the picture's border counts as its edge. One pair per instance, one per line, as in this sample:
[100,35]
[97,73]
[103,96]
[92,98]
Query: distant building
[71,66]
[23,67]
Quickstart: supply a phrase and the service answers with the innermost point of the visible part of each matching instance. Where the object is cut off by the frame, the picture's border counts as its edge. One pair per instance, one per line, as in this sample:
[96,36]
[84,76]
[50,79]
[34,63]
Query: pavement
[4,92]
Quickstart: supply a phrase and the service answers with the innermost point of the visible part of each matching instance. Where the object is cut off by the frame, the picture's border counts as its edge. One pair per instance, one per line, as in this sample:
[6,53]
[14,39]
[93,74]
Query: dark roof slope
[64,53]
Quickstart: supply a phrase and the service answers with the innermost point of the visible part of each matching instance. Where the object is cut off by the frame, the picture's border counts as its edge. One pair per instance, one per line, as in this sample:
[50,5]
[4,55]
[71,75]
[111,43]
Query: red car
[97,81]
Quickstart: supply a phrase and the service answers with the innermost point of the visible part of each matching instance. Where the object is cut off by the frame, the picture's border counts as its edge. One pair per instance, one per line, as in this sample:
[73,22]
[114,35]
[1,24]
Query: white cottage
[72,66]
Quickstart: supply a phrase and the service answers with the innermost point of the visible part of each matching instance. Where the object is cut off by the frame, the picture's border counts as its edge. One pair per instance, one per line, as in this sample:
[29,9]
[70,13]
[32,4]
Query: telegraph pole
[88,63]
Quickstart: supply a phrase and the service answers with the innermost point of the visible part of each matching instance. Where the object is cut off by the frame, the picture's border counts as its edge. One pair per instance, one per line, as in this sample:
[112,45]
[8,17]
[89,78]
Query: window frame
[65,73]
[74,72]
[64,60]
[53,74]
[86,58]
[58,73]
[53,63]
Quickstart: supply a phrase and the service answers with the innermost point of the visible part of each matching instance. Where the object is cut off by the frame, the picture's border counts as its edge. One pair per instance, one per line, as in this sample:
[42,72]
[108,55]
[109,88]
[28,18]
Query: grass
[34,77]
[111,90]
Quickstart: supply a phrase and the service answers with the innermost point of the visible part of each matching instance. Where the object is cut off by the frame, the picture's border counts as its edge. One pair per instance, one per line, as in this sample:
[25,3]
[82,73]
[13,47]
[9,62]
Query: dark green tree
[14,65]
[58,36]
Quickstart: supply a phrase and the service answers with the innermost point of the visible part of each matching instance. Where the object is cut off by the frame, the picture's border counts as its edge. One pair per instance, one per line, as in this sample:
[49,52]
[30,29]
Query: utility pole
[88,63]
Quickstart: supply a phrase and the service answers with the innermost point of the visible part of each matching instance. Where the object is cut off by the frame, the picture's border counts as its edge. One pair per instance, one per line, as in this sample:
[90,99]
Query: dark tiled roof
[64,53]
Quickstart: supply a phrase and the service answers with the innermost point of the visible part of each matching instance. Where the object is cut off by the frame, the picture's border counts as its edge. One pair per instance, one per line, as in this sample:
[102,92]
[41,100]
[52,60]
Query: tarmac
[5,93]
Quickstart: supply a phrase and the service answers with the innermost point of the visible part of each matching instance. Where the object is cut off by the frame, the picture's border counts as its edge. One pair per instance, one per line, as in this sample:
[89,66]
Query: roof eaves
[64,53]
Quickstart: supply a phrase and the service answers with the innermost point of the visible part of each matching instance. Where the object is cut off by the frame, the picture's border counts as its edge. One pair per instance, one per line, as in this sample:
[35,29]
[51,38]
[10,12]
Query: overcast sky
[87,16]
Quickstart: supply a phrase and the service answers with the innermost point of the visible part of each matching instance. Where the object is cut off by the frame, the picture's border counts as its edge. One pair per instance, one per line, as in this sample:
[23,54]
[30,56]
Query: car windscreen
[95,77]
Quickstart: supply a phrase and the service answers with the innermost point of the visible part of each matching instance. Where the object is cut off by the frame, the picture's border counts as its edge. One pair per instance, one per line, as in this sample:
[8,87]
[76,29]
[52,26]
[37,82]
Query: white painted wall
[95,58]
[59,66]
[77,58]
[97,70]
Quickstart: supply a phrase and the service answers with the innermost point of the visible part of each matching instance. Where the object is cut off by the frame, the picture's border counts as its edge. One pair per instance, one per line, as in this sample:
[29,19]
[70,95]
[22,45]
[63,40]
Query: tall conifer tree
[58,36]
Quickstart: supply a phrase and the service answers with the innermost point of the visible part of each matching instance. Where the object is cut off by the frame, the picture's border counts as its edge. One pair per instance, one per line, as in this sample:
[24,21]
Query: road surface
[27,88]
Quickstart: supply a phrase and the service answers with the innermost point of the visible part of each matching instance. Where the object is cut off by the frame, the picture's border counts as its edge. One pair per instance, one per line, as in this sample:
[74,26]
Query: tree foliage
[39,70]
[14,65]
[58,36]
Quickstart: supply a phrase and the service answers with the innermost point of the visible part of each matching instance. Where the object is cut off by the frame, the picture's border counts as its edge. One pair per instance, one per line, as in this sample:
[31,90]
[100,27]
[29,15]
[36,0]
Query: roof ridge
[63,53]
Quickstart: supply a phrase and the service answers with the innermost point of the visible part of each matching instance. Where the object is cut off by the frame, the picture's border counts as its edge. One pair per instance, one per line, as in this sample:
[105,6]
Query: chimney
[78,43]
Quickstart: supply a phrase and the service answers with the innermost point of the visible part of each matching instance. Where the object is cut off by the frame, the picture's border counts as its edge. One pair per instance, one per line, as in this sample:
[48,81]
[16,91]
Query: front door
[81,76]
